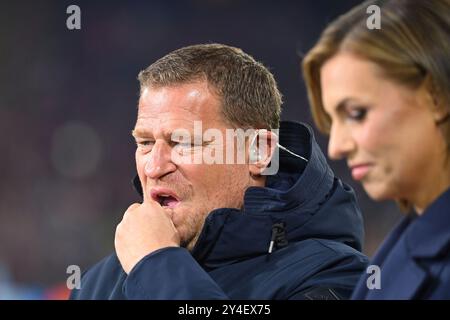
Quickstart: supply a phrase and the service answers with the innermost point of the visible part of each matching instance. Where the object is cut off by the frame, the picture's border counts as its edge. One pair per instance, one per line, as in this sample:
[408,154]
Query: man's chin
[170,212]
[190,246]
[187,242]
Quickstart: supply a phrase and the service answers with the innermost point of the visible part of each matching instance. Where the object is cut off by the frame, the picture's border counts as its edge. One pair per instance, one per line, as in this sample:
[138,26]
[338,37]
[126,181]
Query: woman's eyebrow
[339,108]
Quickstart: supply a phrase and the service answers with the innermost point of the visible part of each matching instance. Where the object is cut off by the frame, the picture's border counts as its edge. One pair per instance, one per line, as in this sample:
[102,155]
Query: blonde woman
[383,96]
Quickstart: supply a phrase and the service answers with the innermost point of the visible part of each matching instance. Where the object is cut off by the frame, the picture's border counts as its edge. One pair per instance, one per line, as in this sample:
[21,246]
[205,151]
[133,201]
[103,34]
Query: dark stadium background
[68,103]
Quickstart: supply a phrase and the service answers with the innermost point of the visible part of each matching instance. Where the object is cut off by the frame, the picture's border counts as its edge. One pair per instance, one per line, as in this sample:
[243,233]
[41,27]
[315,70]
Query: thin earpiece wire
[290,152]
[281,147]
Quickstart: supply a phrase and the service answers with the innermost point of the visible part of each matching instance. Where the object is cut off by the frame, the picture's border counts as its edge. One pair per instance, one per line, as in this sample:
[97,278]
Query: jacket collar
[426,236]
[292,197]
[315,174]
[402,278]
[429,234]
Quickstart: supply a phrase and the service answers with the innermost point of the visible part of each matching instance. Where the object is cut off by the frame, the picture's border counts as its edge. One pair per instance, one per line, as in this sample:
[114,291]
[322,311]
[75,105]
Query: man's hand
[144,228]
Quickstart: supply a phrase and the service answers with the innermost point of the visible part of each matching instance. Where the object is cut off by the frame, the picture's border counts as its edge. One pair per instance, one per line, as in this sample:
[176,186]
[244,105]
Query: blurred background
[68,104]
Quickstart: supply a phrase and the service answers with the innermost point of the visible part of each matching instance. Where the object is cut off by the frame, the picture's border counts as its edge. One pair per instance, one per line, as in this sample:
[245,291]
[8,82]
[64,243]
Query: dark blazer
[415,258]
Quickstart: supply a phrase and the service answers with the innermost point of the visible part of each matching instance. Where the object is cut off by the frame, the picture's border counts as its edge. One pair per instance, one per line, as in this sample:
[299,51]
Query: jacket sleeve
[170,274]
[335,281]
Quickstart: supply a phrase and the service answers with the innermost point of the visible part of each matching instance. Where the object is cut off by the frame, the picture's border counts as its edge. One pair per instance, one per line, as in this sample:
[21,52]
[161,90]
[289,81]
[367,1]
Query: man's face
[189,191]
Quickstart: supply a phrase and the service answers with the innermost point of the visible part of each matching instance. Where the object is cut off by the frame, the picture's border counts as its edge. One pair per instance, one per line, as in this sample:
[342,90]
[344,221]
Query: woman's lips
[360,171]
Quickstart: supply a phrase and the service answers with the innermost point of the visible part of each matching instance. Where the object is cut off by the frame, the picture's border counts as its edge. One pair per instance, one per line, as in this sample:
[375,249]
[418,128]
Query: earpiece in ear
[254,155]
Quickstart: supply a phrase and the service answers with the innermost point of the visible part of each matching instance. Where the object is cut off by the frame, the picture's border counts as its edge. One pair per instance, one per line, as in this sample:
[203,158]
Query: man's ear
[261,151]
[441,112]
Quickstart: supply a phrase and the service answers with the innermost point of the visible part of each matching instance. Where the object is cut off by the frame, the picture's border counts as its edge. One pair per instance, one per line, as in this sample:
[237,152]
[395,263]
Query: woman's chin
[377,192]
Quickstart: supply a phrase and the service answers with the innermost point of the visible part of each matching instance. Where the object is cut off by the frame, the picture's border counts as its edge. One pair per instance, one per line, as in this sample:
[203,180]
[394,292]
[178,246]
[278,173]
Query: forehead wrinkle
[181,108]
[167,96]
[204,117]
[157,126]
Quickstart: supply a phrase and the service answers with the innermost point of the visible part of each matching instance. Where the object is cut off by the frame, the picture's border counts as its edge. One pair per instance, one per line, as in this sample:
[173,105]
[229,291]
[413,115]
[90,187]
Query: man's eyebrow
[139,132]
[142,132]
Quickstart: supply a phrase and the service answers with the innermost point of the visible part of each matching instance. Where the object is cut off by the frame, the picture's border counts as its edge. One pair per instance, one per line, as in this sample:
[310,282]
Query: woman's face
[386,131]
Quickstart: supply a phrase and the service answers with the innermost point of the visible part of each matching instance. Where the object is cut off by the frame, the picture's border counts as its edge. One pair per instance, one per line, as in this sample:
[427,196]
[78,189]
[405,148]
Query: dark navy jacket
[311,215]
[414,260]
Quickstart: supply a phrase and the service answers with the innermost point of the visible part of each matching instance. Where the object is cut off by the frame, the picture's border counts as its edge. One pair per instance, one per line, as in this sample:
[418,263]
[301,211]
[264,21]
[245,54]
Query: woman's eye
[357,114]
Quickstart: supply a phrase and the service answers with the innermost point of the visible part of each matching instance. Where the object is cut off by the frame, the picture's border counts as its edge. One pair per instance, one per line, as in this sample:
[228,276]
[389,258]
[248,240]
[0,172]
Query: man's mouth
[165,197]
[167,201]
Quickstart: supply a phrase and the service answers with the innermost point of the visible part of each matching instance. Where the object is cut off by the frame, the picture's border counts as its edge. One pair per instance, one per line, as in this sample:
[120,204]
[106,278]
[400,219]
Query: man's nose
[159,162]
[340,144]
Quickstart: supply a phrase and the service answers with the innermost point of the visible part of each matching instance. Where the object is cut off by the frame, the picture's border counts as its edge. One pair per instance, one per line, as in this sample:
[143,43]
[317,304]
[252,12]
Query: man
[227,231]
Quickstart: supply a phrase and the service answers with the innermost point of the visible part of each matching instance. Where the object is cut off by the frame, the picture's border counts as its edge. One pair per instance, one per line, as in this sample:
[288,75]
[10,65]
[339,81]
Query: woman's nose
[340,143]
